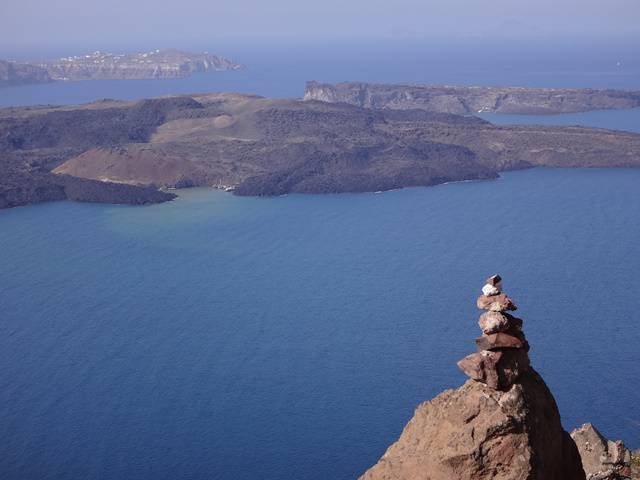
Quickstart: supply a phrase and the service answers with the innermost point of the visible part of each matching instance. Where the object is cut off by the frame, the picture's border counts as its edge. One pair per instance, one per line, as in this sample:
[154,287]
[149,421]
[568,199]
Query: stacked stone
[502,349]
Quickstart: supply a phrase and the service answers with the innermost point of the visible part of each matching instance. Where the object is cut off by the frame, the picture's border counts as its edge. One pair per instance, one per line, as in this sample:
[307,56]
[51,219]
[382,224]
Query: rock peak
[502,424]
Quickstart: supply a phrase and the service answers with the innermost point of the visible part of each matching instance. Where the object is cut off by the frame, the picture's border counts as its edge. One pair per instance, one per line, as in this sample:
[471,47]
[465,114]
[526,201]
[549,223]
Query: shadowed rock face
[478,433]
[262,146]
[465,100]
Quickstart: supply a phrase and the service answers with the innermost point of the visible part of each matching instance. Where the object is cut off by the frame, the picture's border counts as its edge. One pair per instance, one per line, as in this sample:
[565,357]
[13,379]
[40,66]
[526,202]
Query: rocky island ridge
[264,146]
[463,100]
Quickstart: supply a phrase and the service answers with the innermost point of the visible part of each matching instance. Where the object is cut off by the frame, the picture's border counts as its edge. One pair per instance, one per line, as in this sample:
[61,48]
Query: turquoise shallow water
[292,337]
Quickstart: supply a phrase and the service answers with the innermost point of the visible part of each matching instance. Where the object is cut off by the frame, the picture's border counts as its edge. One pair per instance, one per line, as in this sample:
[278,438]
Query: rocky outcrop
[466,100]
[167,63]
[602,459]
[502,424]
[476,432]
[12,73]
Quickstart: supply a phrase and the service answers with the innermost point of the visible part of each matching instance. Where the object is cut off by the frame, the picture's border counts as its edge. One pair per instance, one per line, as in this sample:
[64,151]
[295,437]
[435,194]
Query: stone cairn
[502,349]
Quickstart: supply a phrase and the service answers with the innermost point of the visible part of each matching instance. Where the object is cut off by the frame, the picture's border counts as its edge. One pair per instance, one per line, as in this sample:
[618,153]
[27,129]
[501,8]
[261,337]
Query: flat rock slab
[496,303]
[498,340]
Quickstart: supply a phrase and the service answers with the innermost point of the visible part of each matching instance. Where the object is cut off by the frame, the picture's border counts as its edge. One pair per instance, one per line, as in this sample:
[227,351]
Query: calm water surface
[627,120]
[292,337]
[282,70]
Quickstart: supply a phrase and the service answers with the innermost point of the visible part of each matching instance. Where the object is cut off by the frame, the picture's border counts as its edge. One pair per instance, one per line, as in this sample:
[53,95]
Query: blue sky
[34,23]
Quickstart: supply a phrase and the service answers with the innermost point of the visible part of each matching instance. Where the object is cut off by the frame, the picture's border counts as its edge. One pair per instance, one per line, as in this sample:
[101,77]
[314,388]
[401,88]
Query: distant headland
[156,64]
[464,100]
[14,74]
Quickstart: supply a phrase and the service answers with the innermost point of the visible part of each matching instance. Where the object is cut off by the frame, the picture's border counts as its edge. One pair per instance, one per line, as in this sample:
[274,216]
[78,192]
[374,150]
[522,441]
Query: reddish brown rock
[602,459]
[498,369]
[478,433]
[494,322]
[496,303]
[498,340]
[519,334]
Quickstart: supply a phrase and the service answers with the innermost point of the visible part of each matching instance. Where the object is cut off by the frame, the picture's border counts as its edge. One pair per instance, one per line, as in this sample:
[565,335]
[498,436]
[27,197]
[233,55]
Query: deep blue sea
[282,70]
[218,337]
[292,337]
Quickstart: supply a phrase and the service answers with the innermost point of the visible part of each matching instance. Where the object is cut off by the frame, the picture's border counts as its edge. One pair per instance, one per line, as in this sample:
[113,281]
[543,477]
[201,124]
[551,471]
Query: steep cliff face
[12,73]
[503,424]
[466,100]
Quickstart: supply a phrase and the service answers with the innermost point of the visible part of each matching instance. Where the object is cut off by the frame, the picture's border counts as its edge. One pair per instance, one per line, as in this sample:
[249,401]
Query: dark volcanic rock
[22,189]
[478,433]
[115,124]
[84,190]
[263,146]
[368,169]
[33,144]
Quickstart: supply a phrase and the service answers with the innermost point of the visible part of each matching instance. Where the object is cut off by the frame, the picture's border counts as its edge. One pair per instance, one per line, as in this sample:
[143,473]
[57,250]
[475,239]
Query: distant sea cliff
[12,73]
[463,100]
